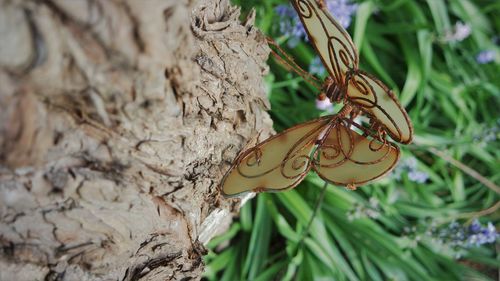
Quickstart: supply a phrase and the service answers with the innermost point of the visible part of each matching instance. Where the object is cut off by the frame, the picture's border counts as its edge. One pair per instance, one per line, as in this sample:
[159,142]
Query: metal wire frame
[289,63]
[298,160]
[348,75]
[342,64]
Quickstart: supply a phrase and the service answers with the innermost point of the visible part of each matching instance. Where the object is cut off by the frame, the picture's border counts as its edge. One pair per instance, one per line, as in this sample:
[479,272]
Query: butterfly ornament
[338,149]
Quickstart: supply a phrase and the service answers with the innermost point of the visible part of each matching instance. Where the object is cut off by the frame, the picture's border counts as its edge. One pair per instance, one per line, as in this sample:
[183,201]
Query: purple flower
[284,10]
[460,32]
[461,237]
[485,56]
[483,235]
[342,11]
[324,104]
[359,210]
[418,176]
[475,227]
[410,163]
[291,26]
[410,167]
[316,66]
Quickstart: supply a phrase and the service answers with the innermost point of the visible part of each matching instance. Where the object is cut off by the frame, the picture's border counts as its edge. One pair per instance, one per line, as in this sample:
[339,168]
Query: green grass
[452,100]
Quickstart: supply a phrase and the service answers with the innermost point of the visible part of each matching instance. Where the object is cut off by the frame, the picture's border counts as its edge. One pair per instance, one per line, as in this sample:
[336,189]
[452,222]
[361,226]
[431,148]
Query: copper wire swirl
[302,5]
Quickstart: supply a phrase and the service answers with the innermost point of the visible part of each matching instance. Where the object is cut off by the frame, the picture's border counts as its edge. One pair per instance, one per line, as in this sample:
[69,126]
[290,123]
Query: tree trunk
[117,121]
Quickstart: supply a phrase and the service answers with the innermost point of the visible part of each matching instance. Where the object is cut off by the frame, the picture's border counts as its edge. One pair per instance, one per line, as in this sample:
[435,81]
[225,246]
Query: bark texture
[117,121]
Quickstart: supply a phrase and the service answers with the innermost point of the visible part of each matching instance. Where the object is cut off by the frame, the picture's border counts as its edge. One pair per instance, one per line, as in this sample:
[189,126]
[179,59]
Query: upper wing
[348,158]
[339,55]
[277,163]
[376,100]
[329,38]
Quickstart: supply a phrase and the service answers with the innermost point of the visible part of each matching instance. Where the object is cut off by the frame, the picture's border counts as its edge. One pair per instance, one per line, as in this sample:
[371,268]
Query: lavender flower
[454,238]
[324,104]
[358,211]
[479,235]
[291,26]
[342,10]
[485,57]
[316,66]
[409,166]
[410,163]
[412,236]
[462,237]
[418,176]
[459,33]
[475,227]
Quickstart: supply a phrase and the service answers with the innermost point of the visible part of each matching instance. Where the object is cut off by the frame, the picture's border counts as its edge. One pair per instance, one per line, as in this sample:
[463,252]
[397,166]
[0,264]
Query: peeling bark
[117,121]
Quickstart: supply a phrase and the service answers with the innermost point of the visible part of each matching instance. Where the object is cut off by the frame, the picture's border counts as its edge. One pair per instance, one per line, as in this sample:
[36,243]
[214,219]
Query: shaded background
[434,217]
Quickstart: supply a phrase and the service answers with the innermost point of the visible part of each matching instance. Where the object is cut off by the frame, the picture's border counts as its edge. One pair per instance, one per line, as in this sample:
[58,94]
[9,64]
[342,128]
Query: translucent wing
[276,164]
[339,55]
[329,38]
[377,101]
[348,158]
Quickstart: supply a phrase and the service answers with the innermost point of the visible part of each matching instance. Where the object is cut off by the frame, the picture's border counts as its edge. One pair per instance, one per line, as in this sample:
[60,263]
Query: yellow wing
[339,55]
[329,38]
[348,158]
[276,164]
[377,101]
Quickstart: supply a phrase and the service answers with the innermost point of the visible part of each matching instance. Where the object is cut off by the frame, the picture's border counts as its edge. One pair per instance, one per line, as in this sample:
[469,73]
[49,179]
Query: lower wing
[348,158]
[278,163]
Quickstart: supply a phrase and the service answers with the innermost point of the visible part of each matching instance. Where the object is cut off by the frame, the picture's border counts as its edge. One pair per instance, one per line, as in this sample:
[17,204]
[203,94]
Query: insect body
[338,149]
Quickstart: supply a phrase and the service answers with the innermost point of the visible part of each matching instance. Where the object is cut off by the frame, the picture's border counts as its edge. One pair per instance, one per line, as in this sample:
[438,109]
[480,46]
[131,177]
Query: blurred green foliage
[454,104]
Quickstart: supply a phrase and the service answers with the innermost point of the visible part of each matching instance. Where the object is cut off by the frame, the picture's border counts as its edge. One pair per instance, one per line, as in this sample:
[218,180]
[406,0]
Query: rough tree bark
[117,121]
